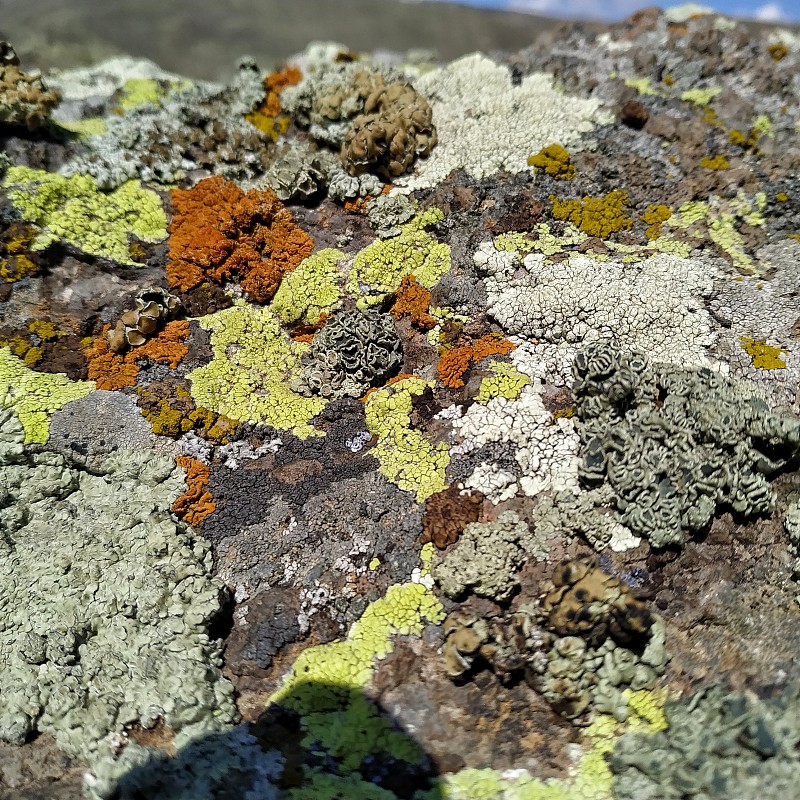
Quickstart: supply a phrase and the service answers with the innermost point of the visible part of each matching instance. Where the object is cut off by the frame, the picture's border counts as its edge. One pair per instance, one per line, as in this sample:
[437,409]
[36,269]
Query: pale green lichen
[700,97]
[35,396]
[254,363]
[406,457]
[311,289]
[105,602]
[379,268]
[74,210]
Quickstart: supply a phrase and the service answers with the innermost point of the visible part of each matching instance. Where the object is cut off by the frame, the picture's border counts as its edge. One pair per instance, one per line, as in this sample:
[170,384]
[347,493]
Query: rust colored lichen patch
[267,117]
[220,233]
[413,300]
[456,361]
[196,503]
[595,216]
[446,515]
[113,371]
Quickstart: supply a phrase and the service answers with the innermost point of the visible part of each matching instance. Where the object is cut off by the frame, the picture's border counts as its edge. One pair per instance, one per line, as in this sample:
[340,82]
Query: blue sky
[777,11]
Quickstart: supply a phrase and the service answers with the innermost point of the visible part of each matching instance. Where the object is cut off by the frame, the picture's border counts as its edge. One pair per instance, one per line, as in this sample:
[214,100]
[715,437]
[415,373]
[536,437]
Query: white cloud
[770,12]
[579,9]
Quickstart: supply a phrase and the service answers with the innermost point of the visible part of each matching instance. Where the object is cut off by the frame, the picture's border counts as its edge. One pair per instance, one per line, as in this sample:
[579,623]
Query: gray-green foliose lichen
[717,746]
[105,602]
[674,444]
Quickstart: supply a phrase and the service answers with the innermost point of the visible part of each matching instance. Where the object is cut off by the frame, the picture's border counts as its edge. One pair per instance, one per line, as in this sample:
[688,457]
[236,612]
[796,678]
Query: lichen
[74,210]
[379,268]
[35,396]
[250,375]
[407,458]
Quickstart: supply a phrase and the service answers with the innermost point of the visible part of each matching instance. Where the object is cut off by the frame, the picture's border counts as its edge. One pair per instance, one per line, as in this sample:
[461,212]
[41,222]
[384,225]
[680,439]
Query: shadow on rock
[322,742]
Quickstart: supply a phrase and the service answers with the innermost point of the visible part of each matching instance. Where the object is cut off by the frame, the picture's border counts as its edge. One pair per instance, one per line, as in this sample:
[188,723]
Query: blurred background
[203,38]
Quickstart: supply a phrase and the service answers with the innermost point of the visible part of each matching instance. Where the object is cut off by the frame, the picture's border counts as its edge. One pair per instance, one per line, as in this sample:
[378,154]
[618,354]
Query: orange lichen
[219,232]
[456,361]
[113,371]
[413,300]
[305,333]
[267,117]
[359,204]
[196,503]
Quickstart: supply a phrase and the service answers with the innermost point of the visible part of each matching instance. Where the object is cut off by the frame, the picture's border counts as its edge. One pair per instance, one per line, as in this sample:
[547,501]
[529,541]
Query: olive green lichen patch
[406,457]
[35,396]
[380,267]
[555,161]
[74,210]
[764,356]
[105,602]
[250,376]
[595,216]
[715,162]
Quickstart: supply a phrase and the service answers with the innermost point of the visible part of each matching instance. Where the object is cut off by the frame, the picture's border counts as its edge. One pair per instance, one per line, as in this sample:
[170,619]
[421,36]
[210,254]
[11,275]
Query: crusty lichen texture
[35,396]
[249,379]
[105,601]
[75,211]
[407,458]
[487,123]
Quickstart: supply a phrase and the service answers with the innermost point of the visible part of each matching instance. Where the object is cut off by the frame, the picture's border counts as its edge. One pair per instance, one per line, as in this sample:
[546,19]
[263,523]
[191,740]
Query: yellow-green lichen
[406,457]
[762,126]
[74,210]
[249,377]
[642,85]
[507,381]
[700,97]
[555,161]
[595,216]
[89,126]
[719,220]
[590,777]
[138,92]
[379,268]
[35,396]
[764,356]
[311,289]
[514,242]
[325,685]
